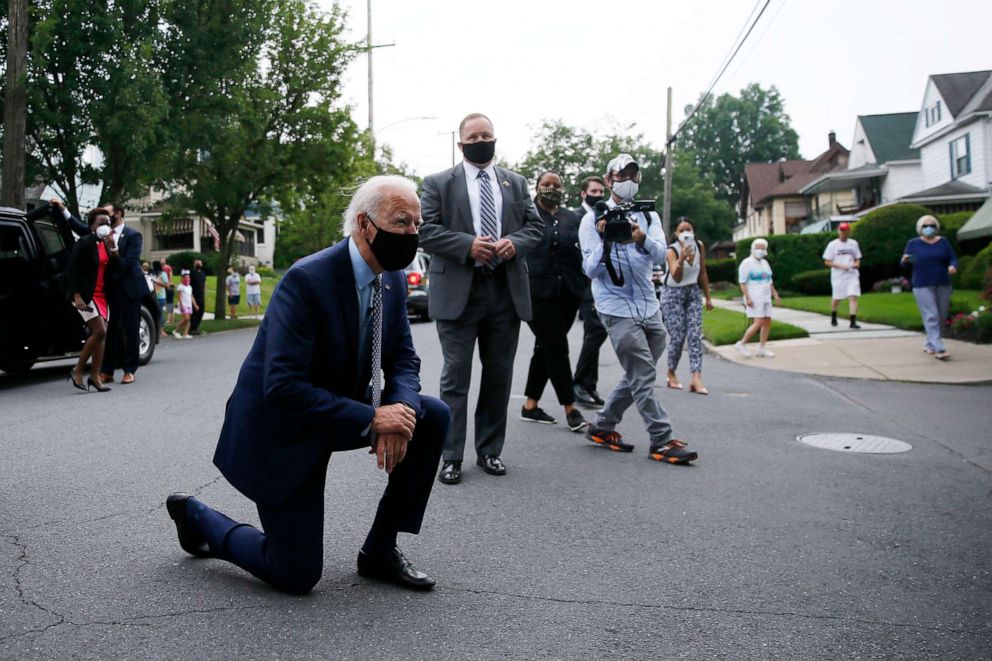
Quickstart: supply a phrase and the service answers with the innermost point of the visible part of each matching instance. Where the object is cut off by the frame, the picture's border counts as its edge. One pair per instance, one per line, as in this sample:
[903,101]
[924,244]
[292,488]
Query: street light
[405,119]
[452,134]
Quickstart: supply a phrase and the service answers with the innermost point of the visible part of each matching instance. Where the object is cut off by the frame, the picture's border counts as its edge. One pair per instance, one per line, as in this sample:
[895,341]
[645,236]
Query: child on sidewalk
[187,304]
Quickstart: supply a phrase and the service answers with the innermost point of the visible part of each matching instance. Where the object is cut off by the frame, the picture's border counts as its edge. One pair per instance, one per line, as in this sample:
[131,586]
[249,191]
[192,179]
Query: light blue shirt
[636,298]
[364,277]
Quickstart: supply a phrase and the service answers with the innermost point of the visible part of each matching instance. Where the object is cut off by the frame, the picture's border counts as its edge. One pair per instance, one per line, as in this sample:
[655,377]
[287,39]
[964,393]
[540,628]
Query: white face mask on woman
[103,231]
[760,253]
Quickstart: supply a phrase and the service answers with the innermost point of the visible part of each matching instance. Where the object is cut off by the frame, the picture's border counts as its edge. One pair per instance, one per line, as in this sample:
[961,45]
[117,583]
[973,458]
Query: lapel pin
[506,184]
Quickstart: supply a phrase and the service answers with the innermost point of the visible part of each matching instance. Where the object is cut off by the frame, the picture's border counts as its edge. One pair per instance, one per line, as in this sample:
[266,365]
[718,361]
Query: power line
[716,78]
[735,41]
[756,42]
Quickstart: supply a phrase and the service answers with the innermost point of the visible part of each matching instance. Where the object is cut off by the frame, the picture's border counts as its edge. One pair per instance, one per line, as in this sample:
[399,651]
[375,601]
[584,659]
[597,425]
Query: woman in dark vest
[557,284]
[93,258]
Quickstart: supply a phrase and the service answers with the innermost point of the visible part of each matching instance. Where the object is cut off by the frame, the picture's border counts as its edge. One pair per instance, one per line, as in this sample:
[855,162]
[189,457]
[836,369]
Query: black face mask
[550,196]
[591,200]
[393,251]
[479,152]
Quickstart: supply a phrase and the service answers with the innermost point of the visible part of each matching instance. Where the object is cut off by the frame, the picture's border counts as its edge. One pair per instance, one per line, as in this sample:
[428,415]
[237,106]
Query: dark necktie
[487,212]
[377,341]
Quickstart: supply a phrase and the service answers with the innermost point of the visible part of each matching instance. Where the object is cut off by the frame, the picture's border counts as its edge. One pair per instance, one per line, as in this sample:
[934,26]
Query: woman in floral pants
[681,305]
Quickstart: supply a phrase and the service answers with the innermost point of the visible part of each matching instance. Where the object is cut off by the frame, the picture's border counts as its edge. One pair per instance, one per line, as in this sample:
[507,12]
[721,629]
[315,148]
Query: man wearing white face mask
[628,308]
[755,278]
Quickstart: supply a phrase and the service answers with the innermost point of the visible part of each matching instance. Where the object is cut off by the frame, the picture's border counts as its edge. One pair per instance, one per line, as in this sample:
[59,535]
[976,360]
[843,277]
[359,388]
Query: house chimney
[832,138]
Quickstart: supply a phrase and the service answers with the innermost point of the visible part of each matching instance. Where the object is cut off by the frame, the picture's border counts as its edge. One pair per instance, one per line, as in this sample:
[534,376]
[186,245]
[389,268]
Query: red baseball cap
[844,227]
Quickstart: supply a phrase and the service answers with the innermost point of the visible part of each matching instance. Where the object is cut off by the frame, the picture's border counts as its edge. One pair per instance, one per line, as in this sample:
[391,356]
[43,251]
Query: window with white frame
[933,114]
[960,156]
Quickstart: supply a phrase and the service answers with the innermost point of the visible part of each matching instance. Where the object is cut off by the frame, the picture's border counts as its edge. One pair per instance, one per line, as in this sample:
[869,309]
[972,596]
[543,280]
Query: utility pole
[368,50]
[452,134]
[15,105]
[666,211]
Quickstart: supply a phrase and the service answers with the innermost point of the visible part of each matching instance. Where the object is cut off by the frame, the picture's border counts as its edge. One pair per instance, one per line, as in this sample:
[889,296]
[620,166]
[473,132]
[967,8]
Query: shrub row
[722,270]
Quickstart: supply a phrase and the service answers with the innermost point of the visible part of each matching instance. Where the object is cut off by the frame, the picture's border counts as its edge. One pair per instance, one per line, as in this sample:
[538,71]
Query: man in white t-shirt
[253,282]
[843,256]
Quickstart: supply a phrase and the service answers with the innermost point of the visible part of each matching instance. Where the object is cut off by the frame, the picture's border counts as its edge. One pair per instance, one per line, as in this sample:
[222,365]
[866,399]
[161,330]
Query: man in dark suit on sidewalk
[198,280]
[311,386]
[479,222]
[126,291]
[586,375]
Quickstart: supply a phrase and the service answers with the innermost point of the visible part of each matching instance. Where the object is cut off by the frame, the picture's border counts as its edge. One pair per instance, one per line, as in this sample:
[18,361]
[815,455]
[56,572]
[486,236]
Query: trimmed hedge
[722,270]
[975,271]
[184,260]
[813,283]
[882,235]
[790,254]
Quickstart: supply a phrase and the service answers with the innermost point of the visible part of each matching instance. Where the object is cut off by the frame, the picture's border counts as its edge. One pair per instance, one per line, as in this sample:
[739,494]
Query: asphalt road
[766,549]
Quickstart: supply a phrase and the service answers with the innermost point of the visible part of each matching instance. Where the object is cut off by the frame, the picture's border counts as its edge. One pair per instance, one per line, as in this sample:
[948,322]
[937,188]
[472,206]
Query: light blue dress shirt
[636,298]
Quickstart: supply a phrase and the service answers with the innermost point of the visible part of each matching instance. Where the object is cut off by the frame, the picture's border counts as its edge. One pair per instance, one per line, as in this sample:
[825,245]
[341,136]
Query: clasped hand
[485,249]
[393,426]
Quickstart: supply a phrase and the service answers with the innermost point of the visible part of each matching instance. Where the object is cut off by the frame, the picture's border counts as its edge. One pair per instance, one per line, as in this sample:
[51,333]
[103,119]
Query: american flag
[214,233]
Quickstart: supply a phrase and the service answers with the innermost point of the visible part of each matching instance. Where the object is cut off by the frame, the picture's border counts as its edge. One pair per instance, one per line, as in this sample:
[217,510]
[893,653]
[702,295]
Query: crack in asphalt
[713,609]
[22,562]
[851,400]
[195,493]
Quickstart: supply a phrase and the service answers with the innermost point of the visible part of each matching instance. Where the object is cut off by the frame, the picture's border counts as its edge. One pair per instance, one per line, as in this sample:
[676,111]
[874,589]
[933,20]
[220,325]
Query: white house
[882,167]
[954,135]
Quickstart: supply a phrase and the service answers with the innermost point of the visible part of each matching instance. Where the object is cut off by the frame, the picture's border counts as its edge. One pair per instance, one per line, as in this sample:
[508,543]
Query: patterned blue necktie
[377,341]
[487,213]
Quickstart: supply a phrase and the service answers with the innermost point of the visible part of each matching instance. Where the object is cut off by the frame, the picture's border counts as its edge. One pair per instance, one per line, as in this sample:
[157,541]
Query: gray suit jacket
[448,233]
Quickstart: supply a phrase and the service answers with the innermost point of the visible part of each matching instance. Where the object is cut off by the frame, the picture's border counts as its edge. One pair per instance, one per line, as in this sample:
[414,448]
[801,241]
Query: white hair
[369,196]
[754,244]
[923,219]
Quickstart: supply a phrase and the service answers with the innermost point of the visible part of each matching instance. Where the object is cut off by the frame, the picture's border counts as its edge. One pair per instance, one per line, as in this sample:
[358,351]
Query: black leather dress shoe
[191,541]
[596,397]
[451,472]
[394,568]
[582,396]
[491,464]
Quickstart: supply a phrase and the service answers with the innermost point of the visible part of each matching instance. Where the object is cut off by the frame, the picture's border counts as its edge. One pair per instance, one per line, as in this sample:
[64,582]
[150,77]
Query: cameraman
[620,271]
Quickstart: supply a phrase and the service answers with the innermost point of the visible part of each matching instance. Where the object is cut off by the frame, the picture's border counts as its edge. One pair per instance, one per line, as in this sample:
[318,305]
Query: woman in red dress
[93,257]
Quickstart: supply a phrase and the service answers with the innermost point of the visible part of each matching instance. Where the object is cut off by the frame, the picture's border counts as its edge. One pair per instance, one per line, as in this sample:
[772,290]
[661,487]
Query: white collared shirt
[472,182]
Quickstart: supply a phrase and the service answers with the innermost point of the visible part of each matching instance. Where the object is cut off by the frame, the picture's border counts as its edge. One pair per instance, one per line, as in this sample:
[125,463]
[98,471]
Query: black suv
[417,285]
[37,321]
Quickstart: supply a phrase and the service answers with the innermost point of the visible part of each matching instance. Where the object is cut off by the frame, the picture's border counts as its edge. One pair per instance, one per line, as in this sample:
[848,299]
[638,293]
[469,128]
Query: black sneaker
[608,439]
[673,452]
[575,421]
[537,414]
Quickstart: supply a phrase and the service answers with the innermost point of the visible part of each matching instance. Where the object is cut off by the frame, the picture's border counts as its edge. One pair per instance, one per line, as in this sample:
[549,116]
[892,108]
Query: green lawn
[897,310]
[268,284]
[218,325]
[726,327]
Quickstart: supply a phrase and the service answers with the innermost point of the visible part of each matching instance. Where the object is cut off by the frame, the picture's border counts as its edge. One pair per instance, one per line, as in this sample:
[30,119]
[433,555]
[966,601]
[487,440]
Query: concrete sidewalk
[876,351]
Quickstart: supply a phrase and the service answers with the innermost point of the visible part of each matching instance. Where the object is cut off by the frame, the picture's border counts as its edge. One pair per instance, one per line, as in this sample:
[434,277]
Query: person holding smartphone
[94,258]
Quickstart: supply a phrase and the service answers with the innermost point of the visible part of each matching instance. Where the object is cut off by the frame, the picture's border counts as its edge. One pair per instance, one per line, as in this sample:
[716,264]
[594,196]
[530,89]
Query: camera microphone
[601,208]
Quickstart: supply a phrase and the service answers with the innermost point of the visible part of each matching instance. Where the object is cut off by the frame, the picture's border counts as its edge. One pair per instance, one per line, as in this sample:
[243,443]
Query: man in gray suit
[479,222]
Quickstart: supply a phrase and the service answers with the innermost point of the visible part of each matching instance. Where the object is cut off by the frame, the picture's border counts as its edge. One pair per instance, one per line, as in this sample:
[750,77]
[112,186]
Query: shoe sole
[540,422]
[673,460]
[578,428]
[176,510]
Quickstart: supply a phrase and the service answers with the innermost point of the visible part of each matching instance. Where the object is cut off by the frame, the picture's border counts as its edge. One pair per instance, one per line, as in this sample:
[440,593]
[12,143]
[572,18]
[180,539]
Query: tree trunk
[15,105]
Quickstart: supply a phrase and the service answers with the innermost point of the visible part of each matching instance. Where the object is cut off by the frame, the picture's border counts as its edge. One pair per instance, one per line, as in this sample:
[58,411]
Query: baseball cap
[619,162]
[845,227]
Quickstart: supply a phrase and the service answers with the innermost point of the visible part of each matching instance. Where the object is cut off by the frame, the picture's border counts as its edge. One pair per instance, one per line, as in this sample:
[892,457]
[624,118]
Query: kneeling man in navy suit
[333,368]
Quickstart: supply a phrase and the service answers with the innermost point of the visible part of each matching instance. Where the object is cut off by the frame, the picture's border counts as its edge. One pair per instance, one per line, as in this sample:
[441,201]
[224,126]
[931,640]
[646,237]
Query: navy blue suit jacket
[130,279]
[301,392]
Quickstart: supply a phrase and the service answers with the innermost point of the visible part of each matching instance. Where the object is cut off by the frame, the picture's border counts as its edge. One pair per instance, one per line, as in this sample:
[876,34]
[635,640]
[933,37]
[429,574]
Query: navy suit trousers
[288,552]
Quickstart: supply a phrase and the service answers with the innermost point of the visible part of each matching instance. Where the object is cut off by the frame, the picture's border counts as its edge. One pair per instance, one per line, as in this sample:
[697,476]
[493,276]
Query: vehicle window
[15,264]
[13,244]
[51,239]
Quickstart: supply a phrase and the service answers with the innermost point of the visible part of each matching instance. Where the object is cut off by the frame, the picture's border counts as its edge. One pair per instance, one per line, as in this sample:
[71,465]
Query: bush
[813,283]
[722,270]
[949,226]
[790,254]
[882,235]
[184,260]
[266,271]
[975,271]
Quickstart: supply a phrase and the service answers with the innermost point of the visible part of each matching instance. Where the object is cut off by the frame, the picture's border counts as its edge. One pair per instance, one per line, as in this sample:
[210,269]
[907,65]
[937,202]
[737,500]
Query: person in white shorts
[843,256]
[755,278]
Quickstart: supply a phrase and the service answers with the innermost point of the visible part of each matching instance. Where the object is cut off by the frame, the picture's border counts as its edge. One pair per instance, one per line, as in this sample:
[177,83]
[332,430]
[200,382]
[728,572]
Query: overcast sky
[604,64]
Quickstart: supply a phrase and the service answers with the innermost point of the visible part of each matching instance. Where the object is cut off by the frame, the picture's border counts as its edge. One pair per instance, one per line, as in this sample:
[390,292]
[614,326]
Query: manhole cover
[863,443]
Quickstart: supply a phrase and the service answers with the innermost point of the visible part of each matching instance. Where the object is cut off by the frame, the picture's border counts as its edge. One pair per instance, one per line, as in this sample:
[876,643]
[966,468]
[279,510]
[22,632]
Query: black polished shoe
[394,568]
[583,396]
[596,397]
[491,464]
[451,473]
[191,541]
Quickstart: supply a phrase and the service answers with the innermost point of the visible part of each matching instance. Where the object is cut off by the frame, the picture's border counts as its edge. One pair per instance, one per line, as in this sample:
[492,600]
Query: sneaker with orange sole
[608,439]
[673,452]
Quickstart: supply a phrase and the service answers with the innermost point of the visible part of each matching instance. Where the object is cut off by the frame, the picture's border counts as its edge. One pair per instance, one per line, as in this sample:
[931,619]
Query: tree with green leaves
[576,153]
[253,86]
[730,131]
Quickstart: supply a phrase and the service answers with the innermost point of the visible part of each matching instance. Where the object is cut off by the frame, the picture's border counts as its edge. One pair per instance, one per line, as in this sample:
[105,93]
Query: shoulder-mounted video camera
[618,219]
